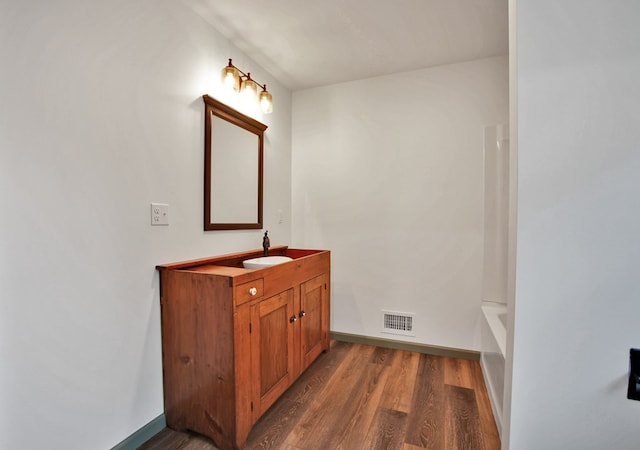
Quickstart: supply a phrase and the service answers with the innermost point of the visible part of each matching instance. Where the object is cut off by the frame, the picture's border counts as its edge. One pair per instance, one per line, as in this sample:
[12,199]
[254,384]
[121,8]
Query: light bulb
[266,101]
[249,88]
[231,77]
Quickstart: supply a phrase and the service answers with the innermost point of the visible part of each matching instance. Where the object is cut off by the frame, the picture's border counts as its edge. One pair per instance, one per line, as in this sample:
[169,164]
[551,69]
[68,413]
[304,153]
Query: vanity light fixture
[235,79]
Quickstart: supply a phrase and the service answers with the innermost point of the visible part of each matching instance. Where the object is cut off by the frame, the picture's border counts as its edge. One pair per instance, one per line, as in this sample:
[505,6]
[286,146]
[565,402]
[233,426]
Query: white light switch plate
[159,214]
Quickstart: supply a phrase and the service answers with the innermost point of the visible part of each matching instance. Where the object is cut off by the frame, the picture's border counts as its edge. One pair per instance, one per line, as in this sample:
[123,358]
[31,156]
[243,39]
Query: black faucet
[266,243]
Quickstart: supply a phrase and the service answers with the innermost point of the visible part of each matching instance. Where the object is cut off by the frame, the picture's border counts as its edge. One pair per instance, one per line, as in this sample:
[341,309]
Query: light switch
[159,214]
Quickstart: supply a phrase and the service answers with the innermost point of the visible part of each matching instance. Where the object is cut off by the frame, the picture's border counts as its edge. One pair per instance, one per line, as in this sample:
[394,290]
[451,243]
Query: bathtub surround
[495,259]
[493,356]
[495,213]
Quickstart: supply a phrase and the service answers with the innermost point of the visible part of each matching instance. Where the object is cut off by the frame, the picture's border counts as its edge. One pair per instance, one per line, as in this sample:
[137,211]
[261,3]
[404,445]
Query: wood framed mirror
[233,166]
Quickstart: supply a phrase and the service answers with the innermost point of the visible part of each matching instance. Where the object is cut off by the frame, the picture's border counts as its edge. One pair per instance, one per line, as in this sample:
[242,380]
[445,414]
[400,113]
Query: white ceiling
[305,44]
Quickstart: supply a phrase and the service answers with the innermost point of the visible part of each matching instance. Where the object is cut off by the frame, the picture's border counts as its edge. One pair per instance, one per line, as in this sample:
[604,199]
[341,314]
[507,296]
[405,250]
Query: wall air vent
[398,323]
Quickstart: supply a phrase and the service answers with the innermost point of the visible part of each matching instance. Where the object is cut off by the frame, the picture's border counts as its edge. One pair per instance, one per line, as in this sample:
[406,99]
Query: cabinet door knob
[302,314]
[292,319]
[253,291]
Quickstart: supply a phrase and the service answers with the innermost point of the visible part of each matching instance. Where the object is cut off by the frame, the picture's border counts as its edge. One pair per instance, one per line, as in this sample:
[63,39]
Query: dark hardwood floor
[363,397]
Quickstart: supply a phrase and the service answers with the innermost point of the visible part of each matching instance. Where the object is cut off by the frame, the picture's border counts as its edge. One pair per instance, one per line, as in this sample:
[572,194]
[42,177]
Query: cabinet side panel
[197,341]
[244,415]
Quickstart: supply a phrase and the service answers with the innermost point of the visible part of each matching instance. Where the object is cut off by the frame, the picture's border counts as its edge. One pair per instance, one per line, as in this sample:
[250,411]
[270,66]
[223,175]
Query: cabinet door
[314,318]
[272,334]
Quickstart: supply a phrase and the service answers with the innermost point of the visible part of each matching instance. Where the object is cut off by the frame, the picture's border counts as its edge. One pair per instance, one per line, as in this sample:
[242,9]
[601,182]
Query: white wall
[578,247]
[101,114]
[387,173]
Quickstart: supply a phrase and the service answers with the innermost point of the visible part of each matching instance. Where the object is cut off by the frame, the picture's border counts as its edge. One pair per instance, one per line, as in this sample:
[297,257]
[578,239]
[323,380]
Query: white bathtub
[494,340]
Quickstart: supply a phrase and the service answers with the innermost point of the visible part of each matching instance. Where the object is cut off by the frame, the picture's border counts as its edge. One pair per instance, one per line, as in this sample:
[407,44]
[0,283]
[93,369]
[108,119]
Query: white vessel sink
[265,261]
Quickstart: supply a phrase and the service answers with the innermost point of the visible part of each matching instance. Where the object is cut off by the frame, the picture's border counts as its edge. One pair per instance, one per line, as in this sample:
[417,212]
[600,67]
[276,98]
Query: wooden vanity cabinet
[234,339]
